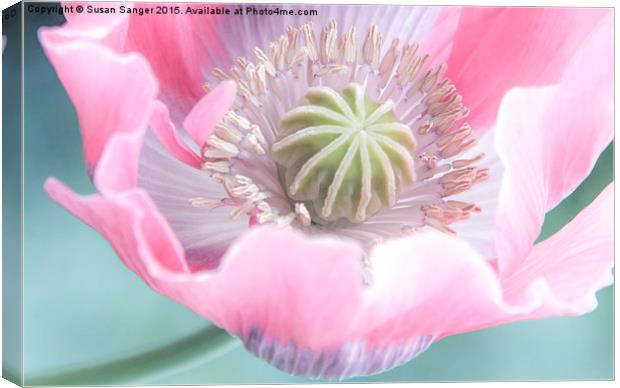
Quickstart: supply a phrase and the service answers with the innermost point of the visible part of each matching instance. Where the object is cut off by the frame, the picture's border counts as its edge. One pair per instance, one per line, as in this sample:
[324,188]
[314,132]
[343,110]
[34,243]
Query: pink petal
[179,48]
[308,306]
[495,49]
[575,262]
[182,48]
[201,121]
[131,223]
[438,42]
[112,93]
[550,139]
[580,121]
[109,29]
[167,134]
[303,304]
[118,167]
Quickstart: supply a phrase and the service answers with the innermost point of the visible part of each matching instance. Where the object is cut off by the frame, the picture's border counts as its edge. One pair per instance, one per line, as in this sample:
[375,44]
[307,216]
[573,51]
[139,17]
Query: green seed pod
[343,155]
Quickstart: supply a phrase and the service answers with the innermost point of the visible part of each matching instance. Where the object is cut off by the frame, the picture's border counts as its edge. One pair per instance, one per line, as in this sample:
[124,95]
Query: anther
[307,31]
[328,42]
[302,214]
[371,50]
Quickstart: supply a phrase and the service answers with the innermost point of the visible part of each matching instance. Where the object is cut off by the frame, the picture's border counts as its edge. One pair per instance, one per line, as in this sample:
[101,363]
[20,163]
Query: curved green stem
[174,358]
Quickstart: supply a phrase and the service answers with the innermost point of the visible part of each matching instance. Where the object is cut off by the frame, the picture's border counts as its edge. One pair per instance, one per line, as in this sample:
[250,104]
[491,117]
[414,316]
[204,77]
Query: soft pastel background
[89,320]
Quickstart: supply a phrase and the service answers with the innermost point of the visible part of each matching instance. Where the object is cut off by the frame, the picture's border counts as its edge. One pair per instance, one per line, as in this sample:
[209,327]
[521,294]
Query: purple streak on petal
[351,359]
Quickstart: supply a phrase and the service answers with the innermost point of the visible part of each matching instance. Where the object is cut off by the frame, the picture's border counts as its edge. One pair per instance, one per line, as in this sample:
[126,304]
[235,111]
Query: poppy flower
[341,189]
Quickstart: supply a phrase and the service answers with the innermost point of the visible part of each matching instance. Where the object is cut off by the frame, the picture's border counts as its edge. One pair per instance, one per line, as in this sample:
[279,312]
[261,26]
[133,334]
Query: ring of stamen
[356,100]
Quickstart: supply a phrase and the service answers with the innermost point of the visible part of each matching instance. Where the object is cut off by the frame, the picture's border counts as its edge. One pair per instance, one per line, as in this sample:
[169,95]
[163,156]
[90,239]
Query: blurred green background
[89,320]
[11,199]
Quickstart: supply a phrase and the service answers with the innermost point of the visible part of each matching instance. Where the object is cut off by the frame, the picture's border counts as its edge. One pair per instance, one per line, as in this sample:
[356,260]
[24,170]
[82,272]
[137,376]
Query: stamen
[228,133]
[307,31]
[429,160]
[206,201]
[302,214]
[219,148]
[265,61]
[387,64]
[371,51]
[467,162]
[328,43]
[410,64]
[347,47]
[221,167]
[440,226]
[332,70]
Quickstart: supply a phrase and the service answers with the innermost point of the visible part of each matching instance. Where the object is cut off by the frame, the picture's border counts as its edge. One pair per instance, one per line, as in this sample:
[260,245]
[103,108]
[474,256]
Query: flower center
[344,155]
[340,136]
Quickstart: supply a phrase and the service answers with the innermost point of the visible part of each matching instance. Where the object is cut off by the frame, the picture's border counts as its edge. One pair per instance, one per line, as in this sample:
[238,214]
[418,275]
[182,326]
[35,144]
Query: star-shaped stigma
[343,155]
